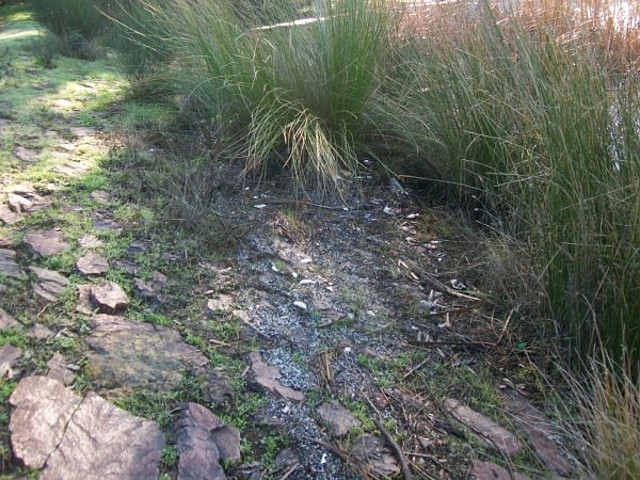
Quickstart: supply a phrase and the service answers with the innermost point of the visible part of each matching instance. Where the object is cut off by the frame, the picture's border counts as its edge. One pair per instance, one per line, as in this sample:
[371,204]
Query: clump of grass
[294,93]
[608,406]
[66,17]
[539,121]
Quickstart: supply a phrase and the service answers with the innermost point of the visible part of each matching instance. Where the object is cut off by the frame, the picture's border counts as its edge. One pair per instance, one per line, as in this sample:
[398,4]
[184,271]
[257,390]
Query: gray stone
[338,417]
[84,300]
[219,305]
[8,265]
[25,154]
[100,196]
[7,321]
[92,264]
[78,439]
[109,297]
[153,288]
[72,168]
[59,370]
[46,242]
[371,450]
[90,241]
[267,376]
[43,408]
[8,357]
[8,216]
[196,415]
[39,331]
[199,456]
[492,434]
[50,283]
[225,437]
[286,459]
[538,430]
[102,223]
[5,242]
[204,440]
[128,354]
[19,204]
[490,471]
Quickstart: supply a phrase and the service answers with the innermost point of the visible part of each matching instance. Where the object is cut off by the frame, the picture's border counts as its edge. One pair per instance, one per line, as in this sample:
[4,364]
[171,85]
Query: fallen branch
[406,471]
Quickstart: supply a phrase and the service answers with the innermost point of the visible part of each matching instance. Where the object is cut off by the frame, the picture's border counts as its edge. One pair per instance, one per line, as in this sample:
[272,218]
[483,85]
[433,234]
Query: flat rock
[538,430]
[39,331]
[8,216]
[59,370]
[225,437]
[152,288]
[490,471]
[199,456]
[72,168]
[102,441]
[18,203]
[267,376]
[43,408]
[90,242]
[47,242]
[49,283]
[193,414]
[103,223]
[8,357]
[371,450]
[338,417]
[92,264]
[75,438]
[25,154]
[492,434]
[108,297]
[128,354]
[84,304]
[100,196]
[5,242]
[219,305]
[8,264]
[7,321]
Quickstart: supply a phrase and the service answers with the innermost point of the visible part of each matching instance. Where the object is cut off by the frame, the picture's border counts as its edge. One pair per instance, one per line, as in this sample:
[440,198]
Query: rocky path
[317,347]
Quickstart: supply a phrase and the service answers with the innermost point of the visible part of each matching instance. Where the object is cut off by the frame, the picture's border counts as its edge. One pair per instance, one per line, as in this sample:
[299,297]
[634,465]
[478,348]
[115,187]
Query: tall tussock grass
[71,17]
[535,113]
[295,93]
[606,420]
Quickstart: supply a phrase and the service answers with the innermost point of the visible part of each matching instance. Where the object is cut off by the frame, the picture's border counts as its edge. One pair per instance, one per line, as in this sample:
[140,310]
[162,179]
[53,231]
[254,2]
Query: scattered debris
[372,452]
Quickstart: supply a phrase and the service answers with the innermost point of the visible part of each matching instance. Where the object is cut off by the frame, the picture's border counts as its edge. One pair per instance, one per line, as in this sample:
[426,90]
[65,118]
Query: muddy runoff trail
[327,341]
